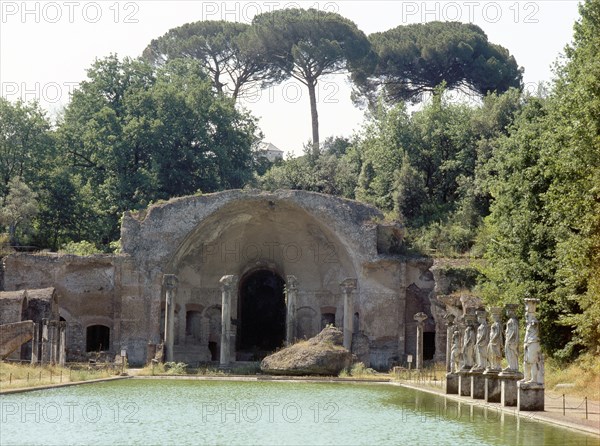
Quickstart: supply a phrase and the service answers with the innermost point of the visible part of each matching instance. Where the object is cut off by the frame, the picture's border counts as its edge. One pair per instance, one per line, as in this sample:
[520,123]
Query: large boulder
[321,355]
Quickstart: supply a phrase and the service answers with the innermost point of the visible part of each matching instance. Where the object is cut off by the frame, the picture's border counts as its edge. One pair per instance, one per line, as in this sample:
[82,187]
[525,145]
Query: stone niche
[262,239]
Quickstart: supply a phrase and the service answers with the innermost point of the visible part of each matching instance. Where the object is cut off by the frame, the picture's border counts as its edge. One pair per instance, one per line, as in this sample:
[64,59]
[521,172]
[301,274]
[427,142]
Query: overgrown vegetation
[14,375]
[360,371]
[583,374]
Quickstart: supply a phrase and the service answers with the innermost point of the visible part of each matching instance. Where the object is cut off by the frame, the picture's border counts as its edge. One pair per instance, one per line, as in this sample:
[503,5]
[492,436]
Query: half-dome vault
[234,275]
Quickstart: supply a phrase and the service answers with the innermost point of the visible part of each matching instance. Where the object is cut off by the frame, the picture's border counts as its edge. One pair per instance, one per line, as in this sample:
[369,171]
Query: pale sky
[46,46]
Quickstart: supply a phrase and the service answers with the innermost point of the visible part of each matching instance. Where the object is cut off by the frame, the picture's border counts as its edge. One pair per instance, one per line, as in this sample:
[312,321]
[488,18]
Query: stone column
[530,395]
[449,332]
[348,285]
[62,345]
[45,355]
[35,344]
[170,283]
[420,318]
[53,337]
[291,294]
[227,287]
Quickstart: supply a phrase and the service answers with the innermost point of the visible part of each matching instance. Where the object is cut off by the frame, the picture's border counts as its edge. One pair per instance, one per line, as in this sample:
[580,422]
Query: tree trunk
[314,116]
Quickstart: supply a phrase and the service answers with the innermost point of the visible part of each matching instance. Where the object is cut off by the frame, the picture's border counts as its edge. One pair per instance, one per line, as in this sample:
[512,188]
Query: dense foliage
[416,58]
[131,135]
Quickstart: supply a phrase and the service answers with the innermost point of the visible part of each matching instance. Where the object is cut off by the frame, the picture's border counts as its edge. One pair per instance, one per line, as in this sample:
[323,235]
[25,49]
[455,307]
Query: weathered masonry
[234,275]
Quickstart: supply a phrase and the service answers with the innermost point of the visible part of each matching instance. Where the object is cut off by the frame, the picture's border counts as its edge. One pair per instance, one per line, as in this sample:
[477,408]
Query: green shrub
[82,248]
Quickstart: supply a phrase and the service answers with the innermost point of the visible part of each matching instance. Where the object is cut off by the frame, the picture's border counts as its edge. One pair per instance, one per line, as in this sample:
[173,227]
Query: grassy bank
[14,376]
[180,368]
[582,377]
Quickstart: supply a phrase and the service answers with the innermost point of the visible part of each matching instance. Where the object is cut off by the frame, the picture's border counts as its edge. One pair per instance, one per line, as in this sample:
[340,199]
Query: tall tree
[309,44]
[227,50]
[18,208]
[572,151]
[544,226]
[135,134]
[25,143]
[416,58]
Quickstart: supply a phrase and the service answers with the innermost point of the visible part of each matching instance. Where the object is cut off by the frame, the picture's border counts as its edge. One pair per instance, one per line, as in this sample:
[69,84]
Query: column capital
[228,282]
[449,319]
[170,281]
[496,313]
[348,285]
[420,318]
[531,305]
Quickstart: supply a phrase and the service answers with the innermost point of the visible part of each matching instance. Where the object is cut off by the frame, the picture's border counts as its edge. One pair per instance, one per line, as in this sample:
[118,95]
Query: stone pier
[509,387]
[170,285]
[477,385]
[530,396]
[451,384]
[493,389]
[291,295]
[348,286]
[227,287]
[464,383]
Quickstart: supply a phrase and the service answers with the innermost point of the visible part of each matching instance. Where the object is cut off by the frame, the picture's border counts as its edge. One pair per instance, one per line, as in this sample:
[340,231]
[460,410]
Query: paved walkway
[574,414]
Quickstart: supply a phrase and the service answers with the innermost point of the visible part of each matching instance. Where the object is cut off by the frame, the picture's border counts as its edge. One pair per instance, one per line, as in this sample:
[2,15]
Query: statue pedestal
[509,387]
[477,384]
[493,389]
[464,382]
[530,396]
[451,384]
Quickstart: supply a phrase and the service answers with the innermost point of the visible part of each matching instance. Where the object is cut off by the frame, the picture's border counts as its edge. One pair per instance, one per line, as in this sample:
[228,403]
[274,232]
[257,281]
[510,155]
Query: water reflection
[218,412]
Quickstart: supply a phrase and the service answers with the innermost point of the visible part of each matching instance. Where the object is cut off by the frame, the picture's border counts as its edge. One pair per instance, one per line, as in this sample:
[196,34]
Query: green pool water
[149,412]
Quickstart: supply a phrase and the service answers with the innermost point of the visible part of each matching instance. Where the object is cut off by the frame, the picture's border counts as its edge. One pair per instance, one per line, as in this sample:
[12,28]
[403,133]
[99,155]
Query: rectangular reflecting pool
[267,413]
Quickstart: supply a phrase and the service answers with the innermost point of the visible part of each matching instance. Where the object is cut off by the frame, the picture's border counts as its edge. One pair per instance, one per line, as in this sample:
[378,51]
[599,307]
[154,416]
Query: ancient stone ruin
[235,275]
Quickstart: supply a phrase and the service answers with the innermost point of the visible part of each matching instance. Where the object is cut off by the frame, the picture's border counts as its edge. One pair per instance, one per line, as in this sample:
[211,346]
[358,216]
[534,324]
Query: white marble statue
[533,360]
[482,341]
[511,344]
[455,354]
[494,353]
[469,347]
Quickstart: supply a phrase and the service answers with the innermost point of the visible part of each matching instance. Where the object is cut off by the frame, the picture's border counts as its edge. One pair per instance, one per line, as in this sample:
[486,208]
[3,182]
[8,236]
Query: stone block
[464,384]
[493,389]
[451,384]
[509,388]
[478,386]
[530,396]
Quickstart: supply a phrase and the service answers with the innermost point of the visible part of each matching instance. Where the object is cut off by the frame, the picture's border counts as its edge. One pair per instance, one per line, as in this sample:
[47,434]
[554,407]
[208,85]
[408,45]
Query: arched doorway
[97,338]
[261,314]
